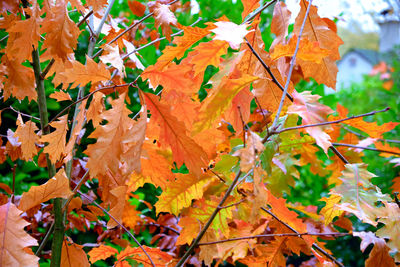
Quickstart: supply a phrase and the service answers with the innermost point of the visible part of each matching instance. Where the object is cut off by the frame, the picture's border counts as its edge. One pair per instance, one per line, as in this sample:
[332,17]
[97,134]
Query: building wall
[351,69]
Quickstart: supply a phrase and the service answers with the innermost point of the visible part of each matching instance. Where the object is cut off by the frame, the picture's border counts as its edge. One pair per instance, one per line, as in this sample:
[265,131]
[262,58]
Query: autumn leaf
[61,33]
[97,4]
[137,8]
[28,138]
[118,142]
[330,211]
[164,17]
[230,32]
[95,109]
[14,240]
[159,257]
[60,96]
[213,106]
[280,23]
[249,6]
[190,227]
[379,256]
[249,154]
[80,74]
[308,51]
[208,54]
[113,57]
[180,193]
[173,132]
[306,106]
[101,253]
[56,140]
[58,186]
[73,255]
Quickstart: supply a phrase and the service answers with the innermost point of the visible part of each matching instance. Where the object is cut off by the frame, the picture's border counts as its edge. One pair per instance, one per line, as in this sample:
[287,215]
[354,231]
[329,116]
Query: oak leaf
[27,137]
[95,109]
[249,6]
[208,54]
[390,216]
[13,238]
[56,140]
[137,8]
[73,255]
[173,132]
[306,106]
[97,4]
[159,257]
[230,32]
[113,57]
[330,211]
[164,17]
[56,187]
[60,96]
[280,23]
[190,229]
[101,253]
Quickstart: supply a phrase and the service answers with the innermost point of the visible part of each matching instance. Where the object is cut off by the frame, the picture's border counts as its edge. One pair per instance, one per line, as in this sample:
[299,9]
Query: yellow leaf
[330,211]
[58,186]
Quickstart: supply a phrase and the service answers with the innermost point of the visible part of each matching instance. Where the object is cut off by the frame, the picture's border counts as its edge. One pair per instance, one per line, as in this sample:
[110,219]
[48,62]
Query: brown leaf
[13,238]
[164,17]
[61,96]
[58,186]
[101,253]
[73,255]
[56,140]
[137,8]
[28,138]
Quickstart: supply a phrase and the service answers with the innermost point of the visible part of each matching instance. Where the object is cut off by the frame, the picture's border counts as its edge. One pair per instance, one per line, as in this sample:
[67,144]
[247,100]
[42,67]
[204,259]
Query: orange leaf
[113,57]
[118,142]
[159,257]
[308,51]
[249,6]
[180,193]
[280,23]
[117,205]
[13,238]
[164,17]
[97,4]
[173,132]
[208,54]
[58,186]
[61,33]
[95,109]
[306,106]
[56,140]
[27,137]
[80,74]
[137,8]
[317,30]
[219,100]
[190,228]
[73,255]
[79,121]
[101,253]
[60,96]
[385,147]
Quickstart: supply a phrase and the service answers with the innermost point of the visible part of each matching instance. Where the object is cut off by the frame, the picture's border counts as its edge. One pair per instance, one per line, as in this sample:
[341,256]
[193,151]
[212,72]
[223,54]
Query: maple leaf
[358,194]
[173,132]
[306,106]
[113,57]
[317,30]
[379,256]
[56,140]
[118,142]
[80,74]
[164,17]
[14,240]
[61,33]
[137,8]
[232,33]
[219,100]
[58,186]
[208,54]
[23,35]
[28,138]
[73,255]
[308,51]
[180,193]
[101,253]
[159,257]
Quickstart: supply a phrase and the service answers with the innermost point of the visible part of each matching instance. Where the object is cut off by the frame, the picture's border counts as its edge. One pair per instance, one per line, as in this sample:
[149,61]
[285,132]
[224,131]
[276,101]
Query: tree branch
[123,227]
[366,148]
[259,10]
[271,235]
[299,234]
[292,62]
[361,135]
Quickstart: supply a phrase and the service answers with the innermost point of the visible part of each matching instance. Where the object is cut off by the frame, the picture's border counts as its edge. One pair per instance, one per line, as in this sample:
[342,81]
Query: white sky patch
[352,11]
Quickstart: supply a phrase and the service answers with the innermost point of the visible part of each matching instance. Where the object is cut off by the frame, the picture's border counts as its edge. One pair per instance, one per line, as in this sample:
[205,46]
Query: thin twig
[233,204]
[47,69]
[162,226]
[332,122]
[84,18]
[340,156]
[274,80]
[45,239]
[258,11]
[271,235]
[21,113]
[130,28]
[14,170]
[123,227]
[367,148]
[379,139]
[2,39]
[292,63]
[299,234]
